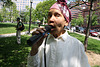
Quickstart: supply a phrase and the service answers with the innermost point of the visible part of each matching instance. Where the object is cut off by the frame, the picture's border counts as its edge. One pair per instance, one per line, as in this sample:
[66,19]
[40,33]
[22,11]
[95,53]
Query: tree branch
[79,4]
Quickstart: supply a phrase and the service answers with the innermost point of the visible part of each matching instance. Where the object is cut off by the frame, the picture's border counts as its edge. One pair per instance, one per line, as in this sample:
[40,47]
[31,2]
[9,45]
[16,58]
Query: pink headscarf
[62,6]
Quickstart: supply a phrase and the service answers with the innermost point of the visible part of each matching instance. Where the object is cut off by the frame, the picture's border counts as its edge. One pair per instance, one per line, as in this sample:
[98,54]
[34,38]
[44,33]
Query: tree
[4,13]
[89,18]
[73,22]
[1,19]
[94,19]
[27,14]
[9,13]
[42,9]
[89,25]
[13,12]
[78,21]
[7,3]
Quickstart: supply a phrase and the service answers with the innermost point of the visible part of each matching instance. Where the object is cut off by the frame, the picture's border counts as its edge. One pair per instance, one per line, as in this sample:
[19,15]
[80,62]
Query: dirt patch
[93,58]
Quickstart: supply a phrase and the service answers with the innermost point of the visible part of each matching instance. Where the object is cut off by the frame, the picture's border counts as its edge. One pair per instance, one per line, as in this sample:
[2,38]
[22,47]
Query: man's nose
[52,18]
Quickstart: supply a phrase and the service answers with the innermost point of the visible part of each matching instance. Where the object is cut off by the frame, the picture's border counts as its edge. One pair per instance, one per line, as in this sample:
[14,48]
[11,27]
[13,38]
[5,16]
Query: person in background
[60,49]
[18,32]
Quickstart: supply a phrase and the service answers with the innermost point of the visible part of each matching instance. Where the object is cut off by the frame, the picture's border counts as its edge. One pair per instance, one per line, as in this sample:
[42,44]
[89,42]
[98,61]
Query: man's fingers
[35,32]
[39,30]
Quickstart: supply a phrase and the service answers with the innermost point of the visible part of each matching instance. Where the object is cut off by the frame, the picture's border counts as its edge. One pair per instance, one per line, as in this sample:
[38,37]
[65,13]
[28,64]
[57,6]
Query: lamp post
[4,3]
[30,14]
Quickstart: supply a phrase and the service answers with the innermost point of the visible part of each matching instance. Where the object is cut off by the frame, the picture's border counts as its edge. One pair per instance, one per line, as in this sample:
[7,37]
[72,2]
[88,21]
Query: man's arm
[33,59]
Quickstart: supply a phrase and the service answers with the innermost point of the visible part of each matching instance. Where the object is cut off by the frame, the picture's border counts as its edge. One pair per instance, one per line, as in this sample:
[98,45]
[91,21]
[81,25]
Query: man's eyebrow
[49,12]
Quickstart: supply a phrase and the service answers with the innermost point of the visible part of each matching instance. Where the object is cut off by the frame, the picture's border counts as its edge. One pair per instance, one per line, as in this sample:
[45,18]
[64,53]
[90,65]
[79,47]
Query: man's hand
[35,46]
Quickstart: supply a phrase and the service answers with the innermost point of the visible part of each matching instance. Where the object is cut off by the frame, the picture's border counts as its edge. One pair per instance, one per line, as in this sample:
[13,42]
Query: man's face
[18,20]
[56,19]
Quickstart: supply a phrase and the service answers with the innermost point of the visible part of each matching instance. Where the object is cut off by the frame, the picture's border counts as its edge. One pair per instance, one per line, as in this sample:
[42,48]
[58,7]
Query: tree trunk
[88,27]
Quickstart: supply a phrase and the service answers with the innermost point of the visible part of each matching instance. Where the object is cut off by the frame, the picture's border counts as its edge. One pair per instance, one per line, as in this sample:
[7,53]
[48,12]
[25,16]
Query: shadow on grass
[7,25]
[12,54]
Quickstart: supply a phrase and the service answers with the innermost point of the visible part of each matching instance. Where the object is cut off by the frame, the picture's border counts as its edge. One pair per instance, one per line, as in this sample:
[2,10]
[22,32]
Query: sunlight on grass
[11,27]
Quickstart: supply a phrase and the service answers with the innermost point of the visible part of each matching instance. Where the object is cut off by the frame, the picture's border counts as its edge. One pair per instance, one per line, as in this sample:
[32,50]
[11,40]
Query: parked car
[92,33]
[80,29]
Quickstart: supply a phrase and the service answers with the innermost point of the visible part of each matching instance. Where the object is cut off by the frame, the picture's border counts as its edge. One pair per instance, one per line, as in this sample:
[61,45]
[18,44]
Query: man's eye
[49,15]
[57,15]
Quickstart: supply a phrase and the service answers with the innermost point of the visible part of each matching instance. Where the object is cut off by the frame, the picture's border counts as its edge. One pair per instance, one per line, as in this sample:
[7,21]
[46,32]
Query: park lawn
[14,55]
[6,28]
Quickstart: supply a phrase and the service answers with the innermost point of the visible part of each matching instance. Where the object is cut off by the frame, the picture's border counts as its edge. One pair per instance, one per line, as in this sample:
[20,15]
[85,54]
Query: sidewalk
[14,34]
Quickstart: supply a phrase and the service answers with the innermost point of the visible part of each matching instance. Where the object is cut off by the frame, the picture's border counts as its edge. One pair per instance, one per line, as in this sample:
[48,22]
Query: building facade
[21,4]
[84,11]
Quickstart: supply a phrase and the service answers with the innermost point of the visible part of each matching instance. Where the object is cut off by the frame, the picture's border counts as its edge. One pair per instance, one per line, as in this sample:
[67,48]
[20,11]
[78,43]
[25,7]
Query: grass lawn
[12,54]
[11,27]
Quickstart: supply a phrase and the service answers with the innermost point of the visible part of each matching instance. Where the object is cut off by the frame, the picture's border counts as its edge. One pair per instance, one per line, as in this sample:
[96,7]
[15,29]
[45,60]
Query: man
[60,49]
[18,32]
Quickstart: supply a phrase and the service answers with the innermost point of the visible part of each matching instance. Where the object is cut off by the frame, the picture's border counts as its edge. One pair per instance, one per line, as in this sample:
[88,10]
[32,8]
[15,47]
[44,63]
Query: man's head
[62,6]
[18,19]
[58,16]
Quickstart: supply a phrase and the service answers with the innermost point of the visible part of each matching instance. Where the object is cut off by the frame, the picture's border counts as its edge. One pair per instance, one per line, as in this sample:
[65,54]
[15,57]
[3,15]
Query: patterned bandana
[62,6]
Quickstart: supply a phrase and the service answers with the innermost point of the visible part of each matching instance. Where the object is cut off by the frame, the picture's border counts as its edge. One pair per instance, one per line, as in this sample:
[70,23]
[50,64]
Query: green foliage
[27,14]
[94,19]
[73,22]
[7,2]
[78,21]
[42,9]
[13,12]
[4,13]
[1,18]
[9,13]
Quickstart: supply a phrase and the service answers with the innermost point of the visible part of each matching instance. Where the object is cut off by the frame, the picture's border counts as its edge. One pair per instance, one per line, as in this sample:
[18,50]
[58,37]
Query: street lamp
[30,14]
[4,3]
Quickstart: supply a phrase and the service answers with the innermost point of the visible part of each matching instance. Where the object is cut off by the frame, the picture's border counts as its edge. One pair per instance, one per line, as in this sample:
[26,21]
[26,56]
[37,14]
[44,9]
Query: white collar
[63,36]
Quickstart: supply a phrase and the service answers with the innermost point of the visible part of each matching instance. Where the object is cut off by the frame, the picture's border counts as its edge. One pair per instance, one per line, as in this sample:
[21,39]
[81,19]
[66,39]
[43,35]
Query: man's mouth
[53,27]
